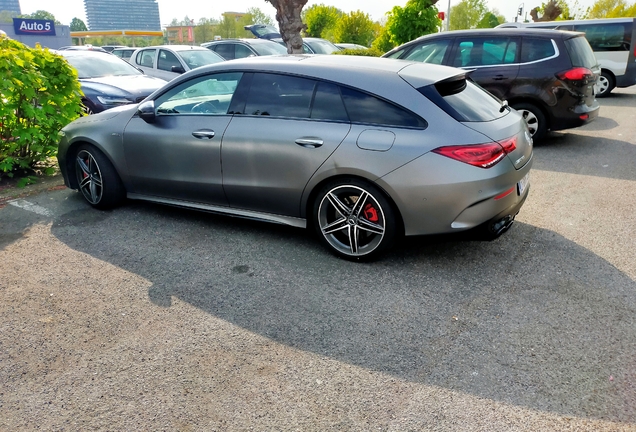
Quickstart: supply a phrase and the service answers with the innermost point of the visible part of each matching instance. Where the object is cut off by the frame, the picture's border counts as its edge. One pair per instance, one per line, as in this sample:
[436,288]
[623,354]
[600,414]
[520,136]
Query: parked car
[549,76]
[170,61]
[611,40]
[124,53]
[357,149]
[263,31]
[108,81]
[231,49]
[344,46]
[314,46]
[86,47]
[110,48]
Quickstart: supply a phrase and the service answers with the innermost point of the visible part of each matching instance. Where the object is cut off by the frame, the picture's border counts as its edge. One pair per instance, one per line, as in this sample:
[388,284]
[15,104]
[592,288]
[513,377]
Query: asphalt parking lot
[155,318]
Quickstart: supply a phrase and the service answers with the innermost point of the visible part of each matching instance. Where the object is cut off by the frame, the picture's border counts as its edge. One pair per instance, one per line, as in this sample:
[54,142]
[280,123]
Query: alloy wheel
[89,177]
[351,220]
[603,85]
[531,120]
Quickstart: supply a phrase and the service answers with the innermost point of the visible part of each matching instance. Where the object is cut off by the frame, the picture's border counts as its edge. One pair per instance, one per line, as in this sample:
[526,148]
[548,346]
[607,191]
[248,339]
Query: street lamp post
[448,16]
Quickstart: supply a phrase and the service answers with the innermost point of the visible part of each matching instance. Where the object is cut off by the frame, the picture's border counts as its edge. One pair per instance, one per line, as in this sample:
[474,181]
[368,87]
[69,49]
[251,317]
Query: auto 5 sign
[23,26]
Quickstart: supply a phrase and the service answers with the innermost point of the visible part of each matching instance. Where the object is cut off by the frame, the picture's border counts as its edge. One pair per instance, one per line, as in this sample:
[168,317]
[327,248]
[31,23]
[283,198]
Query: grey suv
[550,76]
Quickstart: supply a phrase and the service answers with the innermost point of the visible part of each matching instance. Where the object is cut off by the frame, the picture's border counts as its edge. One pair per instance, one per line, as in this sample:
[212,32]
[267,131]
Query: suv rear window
[580,52]
[533,49]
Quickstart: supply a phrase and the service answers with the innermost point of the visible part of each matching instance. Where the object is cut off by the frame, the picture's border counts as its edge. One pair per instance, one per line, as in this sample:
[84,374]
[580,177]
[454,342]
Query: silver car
[170,61]
[360,149]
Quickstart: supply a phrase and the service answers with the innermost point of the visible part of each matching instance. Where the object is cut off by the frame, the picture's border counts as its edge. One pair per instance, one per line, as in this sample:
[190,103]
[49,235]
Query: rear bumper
[577,116]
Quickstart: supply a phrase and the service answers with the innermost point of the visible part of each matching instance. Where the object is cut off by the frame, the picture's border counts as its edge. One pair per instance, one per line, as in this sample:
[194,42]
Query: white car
[169,61]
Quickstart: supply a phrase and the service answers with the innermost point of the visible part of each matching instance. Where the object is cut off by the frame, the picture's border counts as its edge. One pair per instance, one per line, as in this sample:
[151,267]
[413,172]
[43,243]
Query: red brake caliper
[370,213]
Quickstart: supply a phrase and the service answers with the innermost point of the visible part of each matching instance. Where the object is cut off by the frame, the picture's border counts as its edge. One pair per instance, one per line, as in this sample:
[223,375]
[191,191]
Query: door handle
[309,143]
[500,77]
[203,133]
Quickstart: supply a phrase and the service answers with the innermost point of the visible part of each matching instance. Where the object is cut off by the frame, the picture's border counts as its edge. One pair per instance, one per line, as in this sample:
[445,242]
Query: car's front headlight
[113,100]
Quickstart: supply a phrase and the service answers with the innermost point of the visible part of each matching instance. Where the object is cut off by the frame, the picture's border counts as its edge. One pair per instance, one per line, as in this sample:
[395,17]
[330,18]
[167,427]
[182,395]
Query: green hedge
[371,52]
[39,95]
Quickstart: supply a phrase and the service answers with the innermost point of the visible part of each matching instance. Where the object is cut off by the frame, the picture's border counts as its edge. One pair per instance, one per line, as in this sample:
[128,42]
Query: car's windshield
[262,31]
[269,48]
[198,58]
[95,66]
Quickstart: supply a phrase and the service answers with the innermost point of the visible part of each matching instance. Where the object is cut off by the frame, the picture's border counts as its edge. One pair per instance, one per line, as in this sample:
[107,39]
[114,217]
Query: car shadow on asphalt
[575,153]
[530,319]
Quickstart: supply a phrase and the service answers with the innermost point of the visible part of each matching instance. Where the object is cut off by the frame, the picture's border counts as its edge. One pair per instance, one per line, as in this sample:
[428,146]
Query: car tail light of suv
[576,74]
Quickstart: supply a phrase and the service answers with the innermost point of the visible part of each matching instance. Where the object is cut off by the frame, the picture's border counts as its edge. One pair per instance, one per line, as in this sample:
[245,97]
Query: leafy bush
[39,95]
[371,52]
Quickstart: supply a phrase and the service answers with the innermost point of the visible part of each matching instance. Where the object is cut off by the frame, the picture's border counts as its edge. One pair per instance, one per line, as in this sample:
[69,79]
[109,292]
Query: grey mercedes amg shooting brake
[360,149]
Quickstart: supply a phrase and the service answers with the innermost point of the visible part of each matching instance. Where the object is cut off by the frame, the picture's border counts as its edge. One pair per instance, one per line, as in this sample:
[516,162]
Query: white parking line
[26,205]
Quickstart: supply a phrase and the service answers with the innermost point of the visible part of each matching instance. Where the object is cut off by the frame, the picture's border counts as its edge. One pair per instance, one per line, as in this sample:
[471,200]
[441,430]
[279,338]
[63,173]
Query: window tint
[430,52]
[241,51]
[473,103]
[209,94]
[607,37]
[146,58]
[533,49]
[364,108]
[328,103]
[580,52]
[397,54]
[167,60]
[486,52]
[279,95]
[225,50]
[269,48]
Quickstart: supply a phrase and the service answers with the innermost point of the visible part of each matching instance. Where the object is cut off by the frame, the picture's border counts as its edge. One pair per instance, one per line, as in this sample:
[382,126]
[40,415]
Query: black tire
[534,117]
[97,179]
[357,232]
[606,84]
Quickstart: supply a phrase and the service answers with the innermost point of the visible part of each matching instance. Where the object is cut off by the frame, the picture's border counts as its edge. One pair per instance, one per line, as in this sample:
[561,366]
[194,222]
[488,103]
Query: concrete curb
[43,184]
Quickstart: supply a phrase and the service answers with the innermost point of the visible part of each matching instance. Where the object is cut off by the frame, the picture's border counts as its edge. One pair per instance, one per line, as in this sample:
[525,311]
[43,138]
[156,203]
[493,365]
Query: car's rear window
[580,52]
[467,101]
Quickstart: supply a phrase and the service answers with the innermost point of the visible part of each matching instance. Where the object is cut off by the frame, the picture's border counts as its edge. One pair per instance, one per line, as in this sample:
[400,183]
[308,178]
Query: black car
[231,49]
[108,81]
[550,76]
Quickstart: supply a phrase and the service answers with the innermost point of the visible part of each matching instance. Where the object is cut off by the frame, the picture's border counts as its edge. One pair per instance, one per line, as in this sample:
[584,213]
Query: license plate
[523,184]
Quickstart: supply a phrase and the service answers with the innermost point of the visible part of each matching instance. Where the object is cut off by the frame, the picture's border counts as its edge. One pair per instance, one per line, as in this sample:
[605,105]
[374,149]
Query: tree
[7,17]
[355,27]
[551,11]
[259,17]
[41,15]
[321,19]
[611,9]
[204,31]
[490,20]
[416,18]
[467,14]
[227,27]
[290,23]
[78,25]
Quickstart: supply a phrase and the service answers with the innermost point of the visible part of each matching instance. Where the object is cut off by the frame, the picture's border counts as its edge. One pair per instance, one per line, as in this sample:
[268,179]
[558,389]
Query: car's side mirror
[178,69]
[146,110]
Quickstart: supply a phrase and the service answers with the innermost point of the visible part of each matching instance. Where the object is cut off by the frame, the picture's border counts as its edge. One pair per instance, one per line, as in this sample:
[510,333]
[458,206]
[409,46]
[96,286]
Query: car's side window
[486,52]
[225,50]
[365,108]
[146,58]
[210,94]
[429,52]
[167,60]
[241,51]
[397,54]
[328,104]
[533,49]
[607,37]
[280,96]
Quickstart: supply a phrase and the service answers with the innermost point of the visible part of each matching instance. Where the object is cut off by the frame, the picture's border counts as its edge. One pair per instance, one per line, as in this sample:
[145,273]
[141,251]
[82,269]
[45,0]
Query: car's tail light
[479,155]
[576,74]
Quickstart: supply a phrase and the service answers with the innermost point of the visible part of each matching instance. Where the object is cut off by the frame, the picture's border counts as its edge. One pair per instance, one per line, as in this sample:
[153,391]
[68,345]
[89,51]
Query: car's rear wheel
[536,121]
[97,179]
[354,219]
[606,84]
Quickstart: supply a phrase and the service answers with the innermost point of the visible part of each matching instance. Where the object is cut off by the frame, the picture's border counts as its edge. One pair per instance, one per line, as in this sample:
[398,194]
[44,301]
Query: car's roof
[81,53]
[176,47]
[244,40]
[500,31]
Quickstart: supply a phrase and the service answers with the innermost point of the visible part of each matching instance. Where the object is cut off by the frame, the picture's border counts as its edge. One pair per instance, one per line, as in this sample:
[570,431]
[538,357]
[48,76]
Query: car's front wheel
[354,219]
[97,179]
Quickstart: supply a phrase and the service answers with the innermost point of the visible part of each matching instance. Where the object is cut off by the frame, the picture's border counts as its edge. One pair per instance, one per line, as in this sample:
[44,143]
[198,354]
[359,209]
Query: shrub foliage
[40,94]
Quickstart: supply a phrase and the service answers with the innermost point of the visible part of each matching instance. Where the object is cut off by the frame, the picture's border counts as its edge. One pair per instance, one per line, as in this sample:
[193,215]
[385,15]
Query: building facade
[122,15]
[12,6]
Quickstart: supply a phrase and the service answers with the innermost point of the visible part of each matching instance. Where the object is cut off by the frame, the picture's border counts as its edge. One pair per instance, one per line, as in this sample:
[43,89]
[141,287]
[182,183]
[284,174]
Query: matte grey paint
[376,140]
